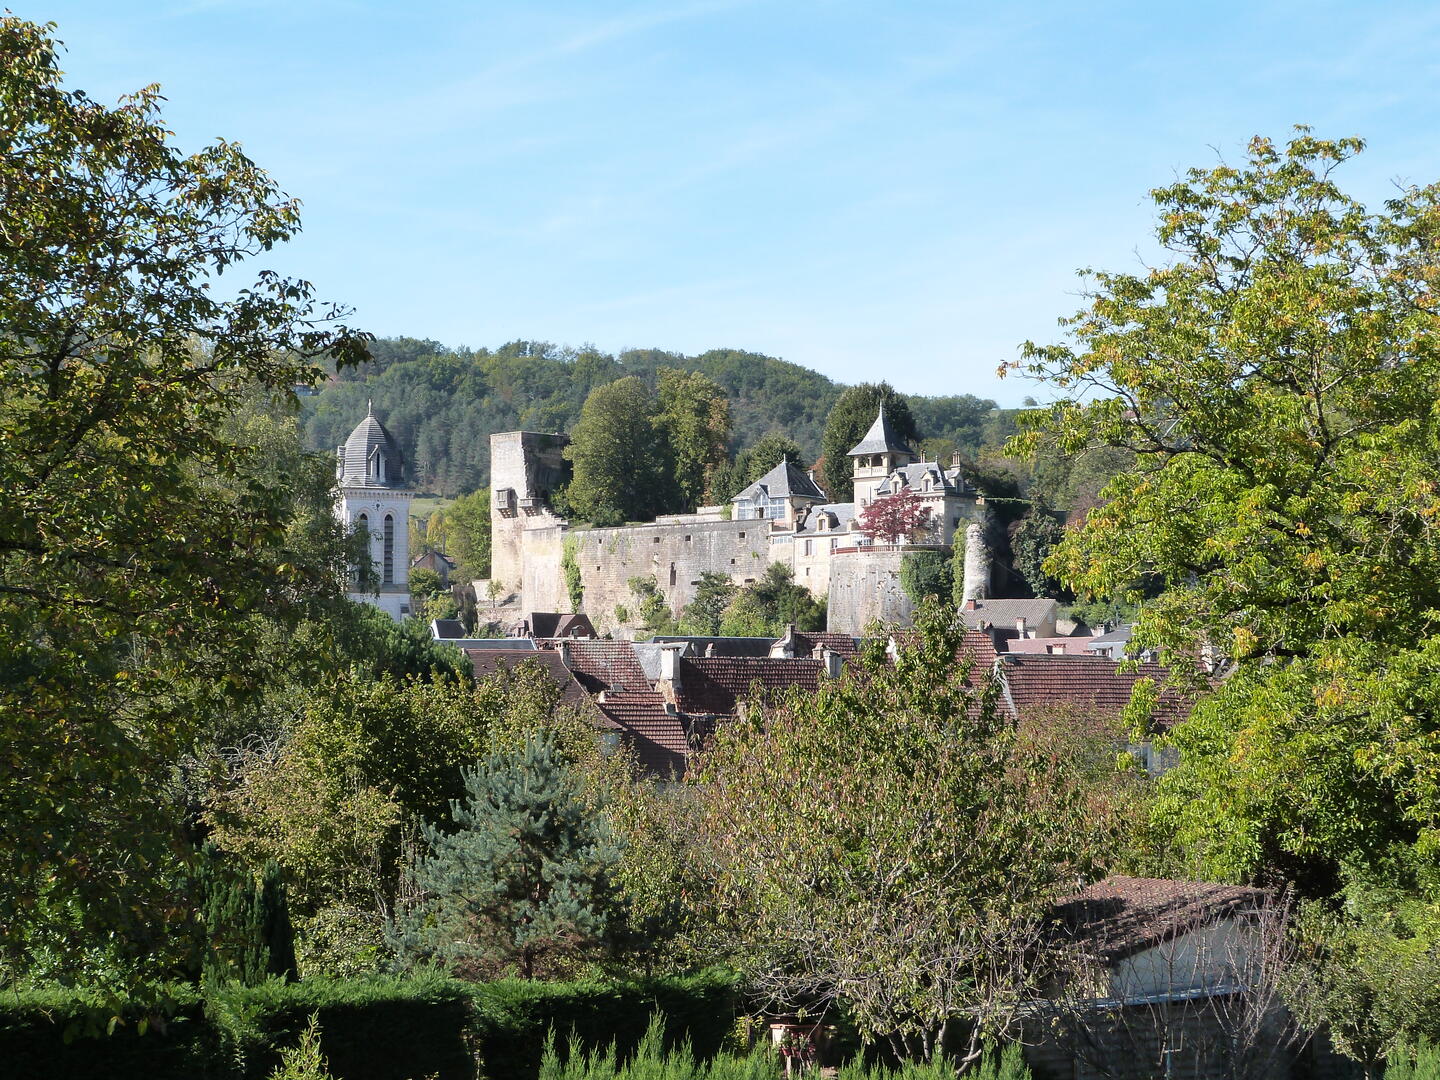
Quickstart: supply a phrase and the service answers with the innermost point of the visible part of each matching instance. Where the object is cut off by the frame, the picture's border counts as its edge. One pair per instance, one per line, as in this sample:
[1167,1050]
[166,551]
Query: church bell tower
[369,473]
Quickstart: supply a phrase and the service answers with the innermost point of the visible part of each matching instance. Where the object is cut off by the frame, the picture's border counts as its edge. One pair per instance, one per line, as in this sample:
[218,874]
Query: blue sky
[900,190]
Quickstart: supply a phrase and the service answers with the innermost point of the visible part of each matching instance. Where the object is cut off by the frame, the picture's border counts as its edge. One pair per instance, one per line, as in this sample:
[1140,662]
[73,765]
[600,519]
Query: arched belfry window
[389,549]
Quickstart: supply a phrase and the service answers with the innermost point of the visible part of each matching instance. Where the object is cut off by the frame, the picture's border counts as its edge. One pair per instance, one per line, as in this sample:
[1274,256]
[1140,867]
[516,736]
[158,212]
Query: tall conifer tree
[525,883]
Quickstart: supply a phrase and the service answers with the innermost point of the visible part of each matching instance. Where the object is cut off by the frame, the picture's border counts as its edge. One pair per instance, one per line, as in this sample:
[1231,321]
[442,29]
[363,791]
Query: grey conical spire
[881,439]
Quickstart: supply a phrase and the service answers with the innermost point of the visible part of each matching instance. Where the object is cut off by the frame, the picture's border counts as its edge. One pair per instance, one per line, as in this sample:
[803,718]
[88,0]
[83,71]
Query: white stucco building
[369,475]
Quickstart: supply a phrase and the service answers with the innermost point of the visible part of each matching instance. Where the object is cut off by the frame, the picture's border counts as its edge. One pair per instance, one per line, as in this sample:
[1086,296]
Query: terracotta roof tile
[658,737]
[489,661]
[808,646]
[1036,680]
[1121,916]
[711,685]
[606,665]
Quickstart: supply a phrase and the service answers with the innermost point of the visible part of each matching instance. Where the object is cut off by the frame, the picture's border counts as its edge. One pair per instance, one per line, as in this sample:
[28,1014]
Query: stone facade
[821,542]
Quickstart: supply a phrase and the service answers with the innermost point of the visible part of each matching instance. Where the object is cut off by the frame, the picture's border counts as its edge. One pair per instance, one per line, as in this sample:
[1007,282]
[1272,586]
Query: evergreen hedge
[371,1029]
[511,1019]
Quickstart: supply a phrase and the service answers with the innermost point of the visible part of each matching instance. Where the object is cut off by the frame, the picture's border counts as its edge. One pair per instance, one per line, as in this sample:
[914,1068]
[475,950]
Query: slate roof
[489,661]
[828,518]
[447,628]
[606,665]
[1003,613]
[724,646]
[881,439]
[657,736]
[369,436]
[713,685]
[784,481]
[1121,916]
[943,481]
[1034,681]
[554,624]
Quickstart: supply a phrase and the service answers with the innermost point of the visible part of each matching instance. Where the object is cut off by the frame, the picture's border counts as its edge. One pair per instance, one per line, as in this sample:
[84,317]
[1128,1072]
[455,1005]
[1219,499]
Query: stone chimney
[970,603]
[1020,626]
[833,663]
[669,682]
[564,650]
[784,648]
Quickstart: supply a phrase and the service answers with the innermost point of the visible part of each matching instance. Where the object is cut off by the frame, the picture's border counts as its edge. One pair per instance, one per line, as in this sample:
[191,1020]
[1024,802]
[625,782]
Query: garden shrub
[380,1028]
[61,1035]
[512,1018]
[376,1028]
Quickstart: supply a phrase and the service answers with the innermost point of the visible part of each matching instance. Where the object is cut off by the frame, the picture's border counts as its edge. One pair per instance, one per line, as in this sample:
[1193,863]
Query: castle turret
[369,472]
[876,456]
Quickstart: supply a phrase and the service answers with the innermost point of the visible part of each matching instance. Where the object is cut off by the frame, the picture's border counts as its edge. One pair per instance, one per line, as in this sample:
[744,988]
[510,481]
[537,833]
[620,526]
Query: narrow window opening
[389,549]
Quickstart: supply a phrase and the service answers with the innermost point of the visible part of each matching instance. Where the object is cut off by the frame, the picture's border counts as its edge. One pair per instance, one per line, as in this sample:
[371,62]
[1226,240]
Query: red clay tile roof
[808,646]
[1121,916]
[489,661]
[711,685]
[657,737]
[1033,681]
[607,665]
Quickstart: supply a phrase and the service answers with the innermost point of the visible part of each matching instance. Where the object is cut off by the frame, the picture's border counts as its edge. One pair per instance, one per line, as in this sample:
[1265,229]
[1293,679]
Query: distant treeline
[442,404]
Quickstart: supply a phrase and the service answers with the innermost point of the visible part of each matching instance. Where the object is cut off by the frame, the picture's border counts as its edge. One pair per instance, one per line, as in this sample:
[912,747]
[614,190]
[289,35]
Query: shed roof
[1121,916]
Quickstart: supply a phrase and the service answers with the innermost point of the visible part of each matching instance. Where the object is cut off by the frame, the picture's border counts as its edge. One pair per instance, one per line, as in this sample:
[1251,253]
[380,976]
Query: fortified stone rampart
[530,547]
[865,588]
[672,555]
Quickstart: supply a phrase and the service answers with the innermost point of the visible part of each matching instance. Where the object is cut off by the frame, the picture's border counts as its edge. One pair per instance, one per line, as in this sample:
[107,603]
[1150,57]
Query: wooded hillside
[442,404]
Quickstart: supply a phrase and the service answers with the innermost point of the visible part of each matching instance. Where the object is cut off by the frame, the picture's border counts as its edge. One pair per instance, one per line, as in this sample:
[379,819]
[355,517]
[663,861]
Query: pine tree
[246,924]
[525,882]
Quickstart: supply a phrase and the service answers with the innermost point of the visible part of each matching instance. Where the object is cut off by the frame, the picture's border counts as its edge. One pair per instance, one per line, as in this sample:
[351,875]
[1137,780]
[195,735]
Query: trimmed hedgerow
[62,1035]
[511,1019]
[370,1029]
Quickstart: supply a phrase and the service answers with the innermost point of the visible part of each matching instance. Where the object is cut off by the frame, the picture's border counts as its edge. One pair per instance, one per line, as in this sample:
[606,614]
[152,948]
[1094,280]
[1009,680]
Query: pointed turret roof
[881,439]
[369,438]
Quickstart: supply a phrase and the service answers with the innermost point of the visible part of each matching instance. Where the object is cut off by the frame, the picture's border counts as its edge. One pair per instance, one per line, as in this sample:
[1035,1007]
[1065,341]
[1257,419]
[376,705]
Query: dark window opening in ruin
[672,574]
[742,536]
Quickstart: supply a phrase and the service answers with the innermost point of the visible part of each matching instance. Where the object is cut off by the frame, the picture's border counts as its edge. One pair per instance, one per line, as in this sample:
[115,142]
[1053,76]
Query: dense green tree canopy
[526,881]
[694,420]
[620,458]
[855,410]
[847,876]
[1276,380]
[135,535]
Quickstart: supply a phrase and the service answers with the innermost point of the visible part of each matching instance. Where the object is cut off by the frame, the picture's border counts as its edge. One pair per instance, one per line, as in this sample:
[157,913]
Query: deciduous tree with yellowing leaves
[1277,377]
